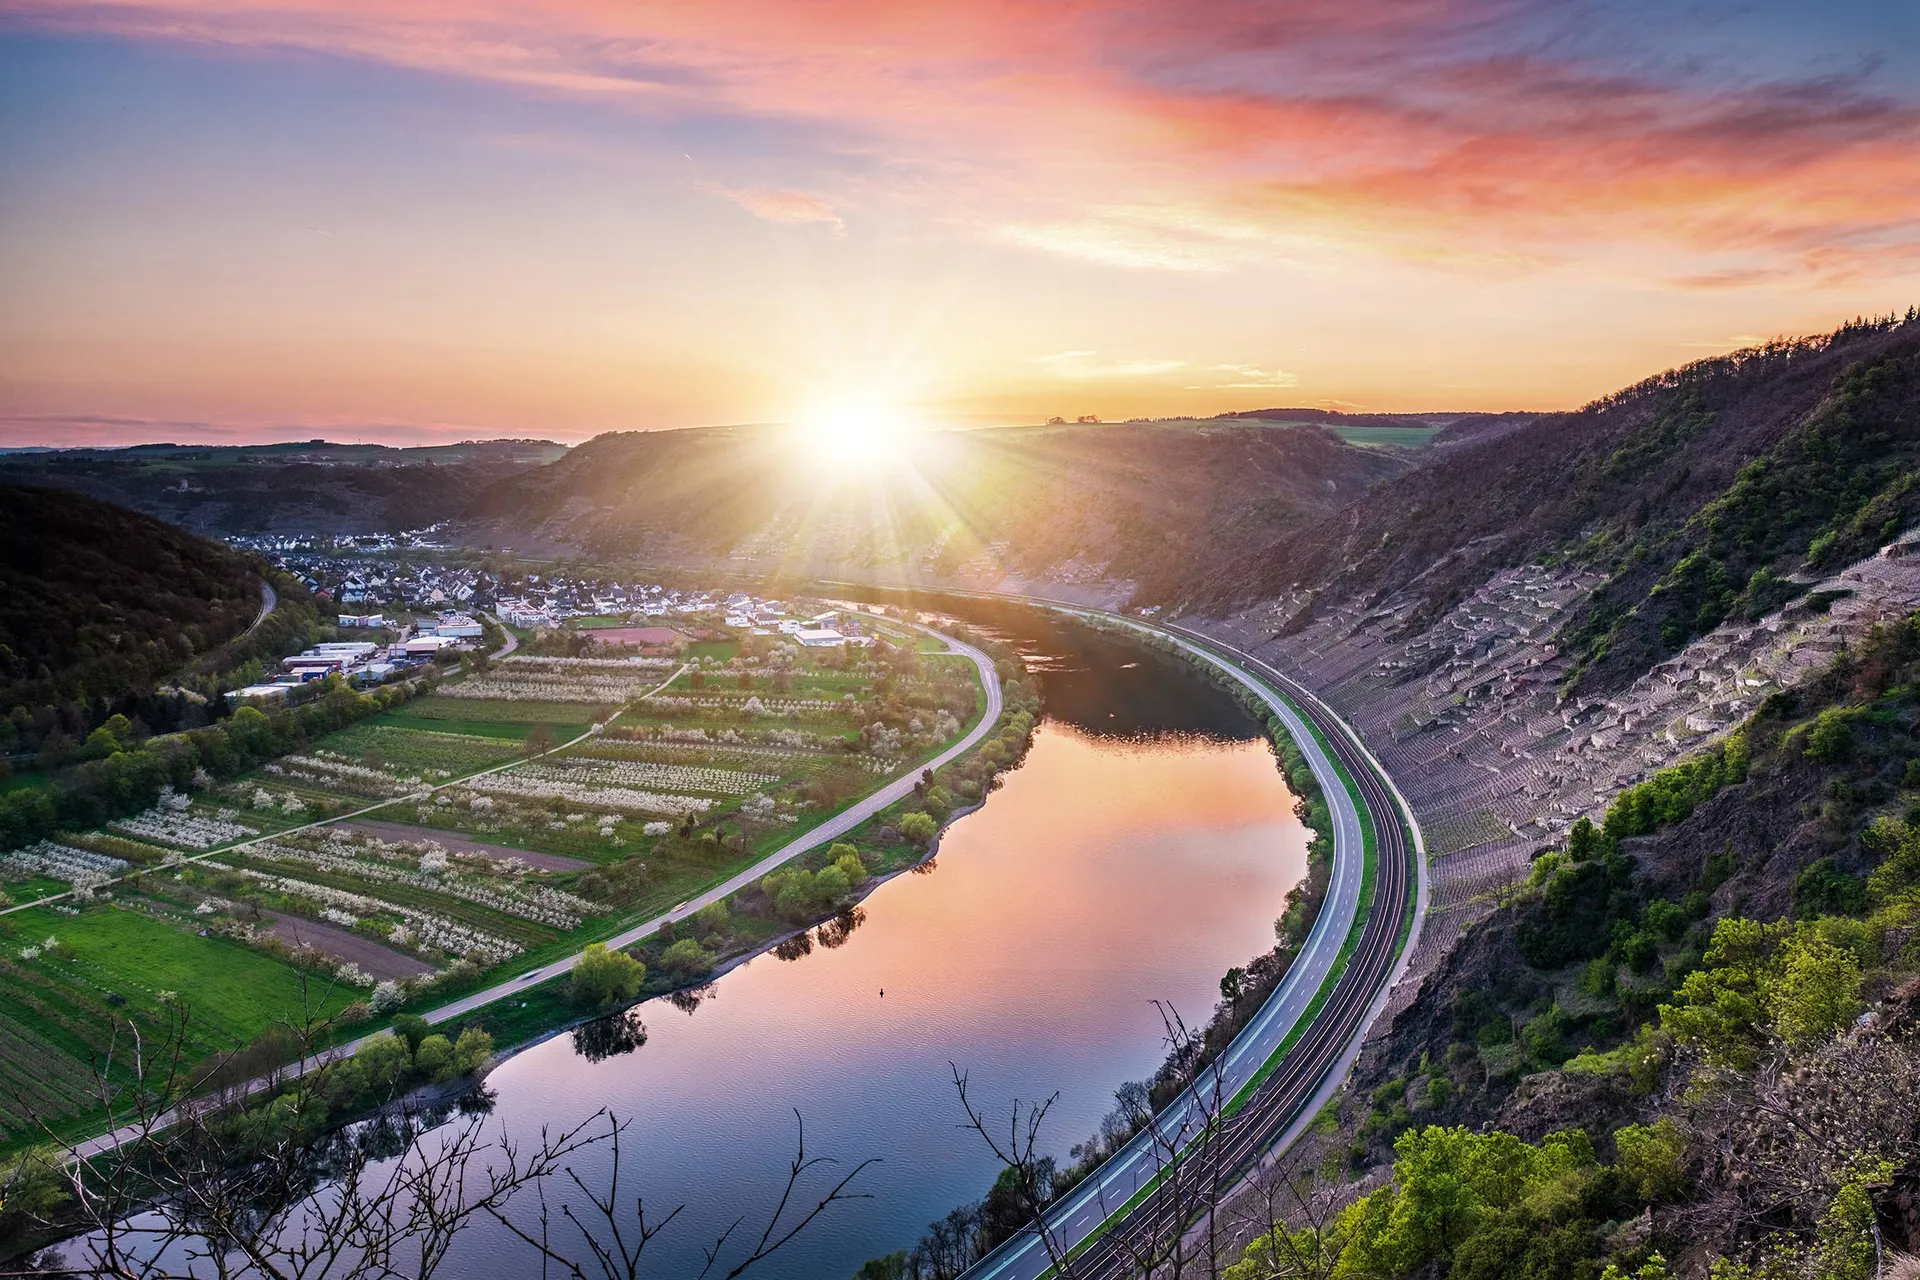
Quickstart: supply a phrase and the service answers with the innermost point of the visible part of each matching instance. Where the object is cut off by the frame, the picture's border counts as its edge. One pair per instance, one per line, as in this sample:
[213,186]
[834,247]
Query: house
[739,620]
[458,626]
[314,660]
[820,638]
[363,620]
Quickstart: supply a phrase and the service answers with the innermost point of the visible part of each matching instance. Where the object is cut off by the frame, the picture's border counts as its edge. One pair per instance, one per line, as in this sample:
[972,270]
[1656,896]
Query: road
[832,829]
[1318,1060]
[269,601]
[513,641]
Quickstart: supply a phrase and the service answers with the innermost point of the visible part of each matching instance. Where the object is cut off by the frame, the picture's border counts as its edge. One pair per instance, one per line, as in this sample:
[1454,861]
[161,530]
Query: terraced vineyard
[525,811]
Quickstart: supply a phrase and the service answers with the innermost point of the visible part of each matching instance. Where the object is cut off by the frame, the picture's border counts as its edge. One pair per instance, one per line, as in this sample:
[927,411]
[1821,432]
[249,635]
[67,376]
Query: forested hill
[309,487]
[1705,494]
[1150,504]
[97,601]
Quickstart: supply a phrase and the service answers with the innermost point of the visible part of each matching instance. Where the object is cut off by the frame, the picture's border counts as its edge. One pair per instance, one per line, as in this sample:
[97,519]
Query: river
[1146,844]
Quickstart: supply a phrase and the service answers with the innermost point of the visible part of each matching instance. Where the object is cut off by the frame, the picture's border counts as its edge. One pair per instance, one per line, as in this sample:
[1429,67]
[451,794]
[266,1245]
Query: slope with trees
[1706,493]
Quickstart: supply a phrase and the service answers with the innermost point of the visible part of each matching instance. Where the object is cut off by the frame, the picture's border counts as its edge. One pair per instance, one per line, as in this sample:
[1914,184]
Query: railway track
[1210,1163]
[1246,1136]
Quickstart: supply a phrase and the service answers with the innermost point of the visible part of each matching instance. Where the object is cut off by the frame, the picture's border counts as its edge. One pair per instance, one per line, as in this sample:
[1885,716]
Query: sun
[852,435]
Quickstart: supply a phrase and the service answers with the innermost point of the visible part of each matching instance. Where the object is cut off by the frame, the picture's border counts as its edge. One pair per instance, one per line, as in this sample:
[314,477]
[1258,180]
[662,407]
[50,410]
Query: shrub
[918,827]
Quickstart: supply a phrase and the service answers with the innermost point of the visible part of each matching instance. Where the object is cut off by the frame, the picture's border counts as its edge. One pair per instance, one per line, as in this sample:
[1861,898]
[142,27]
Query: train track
[1249,1133]
[1209,1164]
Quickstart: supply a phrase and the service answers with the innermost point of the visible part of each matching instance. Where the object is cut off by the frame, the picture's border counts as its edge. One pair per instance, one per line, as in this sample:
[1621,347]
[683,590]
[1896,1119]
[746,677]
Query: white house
[820,638]
[457,626]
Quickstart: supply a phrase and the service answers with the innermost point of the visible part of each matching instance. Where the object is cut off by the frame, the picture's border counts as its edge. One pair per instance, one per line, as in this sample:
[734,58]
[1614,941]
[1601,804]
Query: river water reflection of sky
[1146,844]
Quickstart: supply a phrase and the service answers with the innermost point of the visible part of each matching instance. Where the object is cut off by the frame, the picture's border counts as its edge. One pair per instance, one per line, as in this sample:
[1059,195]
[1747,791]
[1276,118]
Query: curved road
[831,829]
[1104,1206]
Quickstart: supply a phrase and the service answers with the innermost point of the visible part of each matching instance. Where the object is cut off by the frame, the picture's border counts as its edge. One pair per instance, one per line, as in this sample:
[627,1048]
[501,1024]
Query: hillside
[98,603]
[312,487]
[1138,507]
[1684,983]
[1713,492]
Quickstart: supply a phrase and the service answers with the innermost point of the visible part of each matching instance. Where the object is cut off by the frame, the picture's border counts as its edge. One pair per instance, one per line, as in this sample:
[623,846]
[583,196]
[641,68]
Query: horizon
[284,220]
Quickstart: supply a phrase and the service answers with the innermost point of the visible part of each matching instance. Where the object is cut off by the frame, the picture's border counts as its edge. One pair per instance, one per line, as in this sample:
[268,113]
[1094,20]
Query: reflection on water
[1146,844]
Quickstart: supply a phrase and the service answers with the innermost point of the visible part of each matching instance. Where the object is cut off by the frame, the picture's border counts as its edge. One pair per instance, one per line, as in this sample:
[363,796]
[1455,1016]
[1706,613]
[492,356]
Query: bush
[918,827]
[603,977]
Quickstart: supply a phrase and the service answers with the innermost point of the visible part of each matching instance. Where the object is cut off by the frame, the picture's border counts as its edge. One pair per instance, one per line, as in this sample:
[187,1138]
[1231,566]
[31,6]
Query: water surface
[1145,845]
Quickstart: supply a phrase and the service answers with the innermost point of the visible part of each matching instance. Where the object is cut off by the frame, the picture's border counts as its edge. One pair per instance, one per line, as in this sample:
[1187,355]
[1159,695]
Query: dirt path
[457,843]
[372,957]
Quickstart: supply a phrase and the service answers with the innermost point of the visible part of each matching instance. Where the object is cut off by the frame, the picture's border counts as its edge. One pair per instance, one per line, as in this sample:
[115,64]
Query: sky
[236,220]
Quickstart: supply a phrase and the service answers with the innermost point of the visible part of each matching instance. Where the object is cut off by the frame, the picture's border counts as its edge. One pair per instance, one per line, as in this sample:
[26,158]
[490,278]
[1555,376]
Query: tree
[831,884]
[471,1051]
[1655,1157]
[434,1057]
[687,957]
[1817,991]
[384,1059]
[540,740]
[918,827]
[603,977]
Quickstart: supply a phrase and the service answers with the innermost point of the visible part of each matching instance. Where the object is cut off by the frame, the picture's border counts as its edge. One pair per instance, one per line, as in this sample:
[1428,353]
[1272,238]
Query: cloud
[1082,365]
[776,205]
[106,431]
[1250,378]
[1460,134]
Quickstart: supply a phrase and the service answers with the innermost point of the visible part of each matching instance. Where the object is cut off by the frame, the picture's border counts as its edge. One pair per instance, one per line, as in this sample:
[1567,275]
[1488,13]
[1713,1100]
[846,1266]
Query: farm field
[469,837]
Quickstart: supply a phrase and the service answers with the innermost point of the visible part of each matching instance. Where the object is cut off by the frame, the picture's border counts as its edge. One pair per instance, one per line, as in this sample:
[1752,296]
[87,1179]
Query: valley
[1569,751]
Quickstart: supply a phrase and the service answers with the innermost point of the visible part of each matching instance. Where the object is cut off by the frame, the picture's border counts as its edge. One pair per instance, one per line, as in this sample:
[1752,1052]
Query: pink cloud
[776,205]
[1426,129]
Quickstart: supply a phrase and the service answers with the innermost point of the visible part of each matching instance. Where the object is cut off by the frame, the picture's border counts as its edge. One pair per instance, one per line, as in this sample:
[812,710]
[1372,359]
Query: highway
[1103,1209]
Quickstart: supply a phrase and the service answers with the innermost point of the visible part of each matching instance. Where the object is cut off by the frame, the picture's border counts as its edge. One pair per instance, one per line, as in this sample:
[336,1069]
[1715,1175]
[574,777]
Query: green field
[1403,437]
[122,952]
[489,718]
